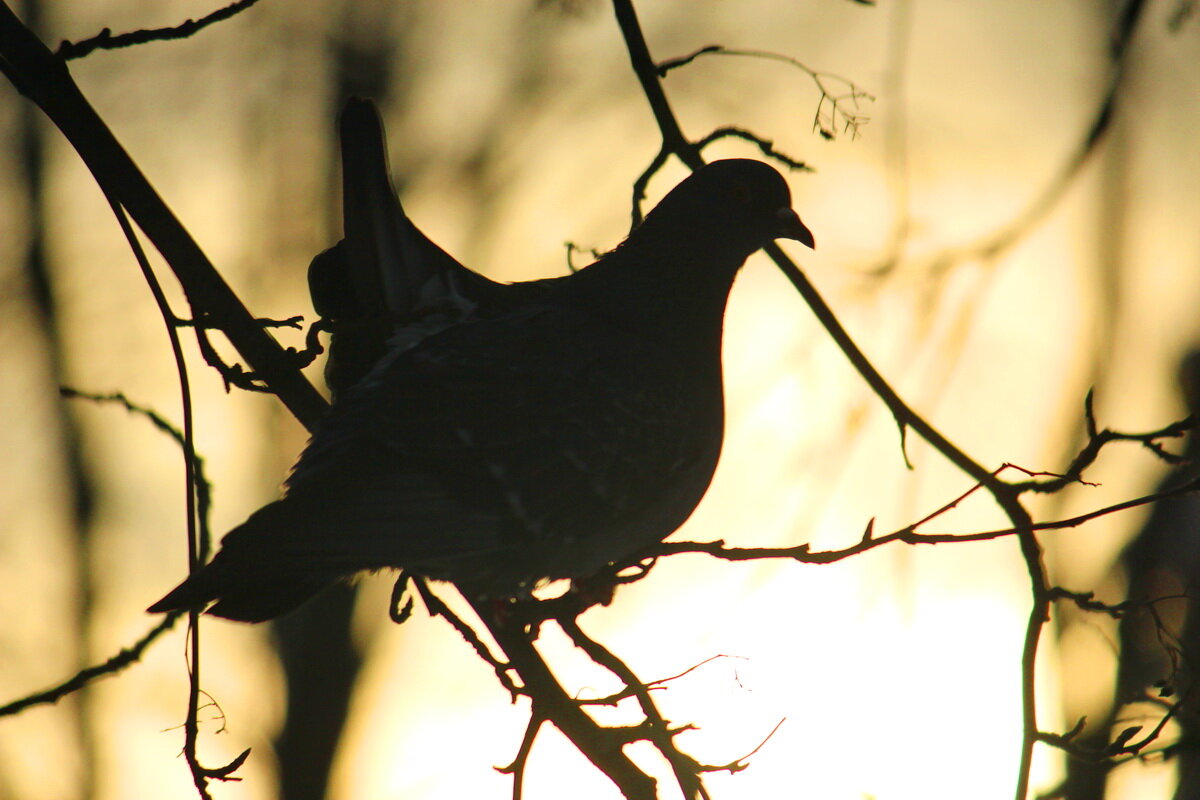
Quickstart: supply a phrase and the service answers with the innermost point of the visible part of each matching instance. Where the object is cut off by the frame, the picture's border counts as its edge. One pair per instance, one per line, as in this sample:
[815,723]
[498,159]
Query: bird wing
[528,432]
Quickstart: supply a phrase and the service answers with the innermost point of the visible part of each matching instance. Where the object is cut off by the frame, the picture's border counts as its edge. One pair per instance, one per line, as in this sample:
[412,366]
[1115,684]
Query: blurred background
[992,263]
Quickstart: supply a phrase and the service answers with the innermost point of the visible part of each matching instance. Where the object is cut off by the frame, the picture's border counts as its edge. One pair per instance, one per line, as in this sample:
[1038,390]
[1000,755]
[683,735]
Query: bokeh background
[517,127]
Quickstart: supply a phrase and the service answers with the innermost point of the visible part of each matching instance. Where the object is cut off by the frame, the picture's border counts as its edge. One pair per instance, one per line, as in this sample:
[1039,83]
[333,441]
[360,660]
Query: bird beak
[790,227]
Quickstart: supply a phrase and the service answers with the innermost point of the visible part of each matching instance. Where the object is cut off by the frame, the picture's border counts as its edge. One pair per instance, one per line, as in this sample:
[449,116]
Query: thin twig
[826,124]
[124,658]
[197,544]
[906,535]
[660,734]
[765,146]
[516,768]
[202,486]
[437,608]
[600,745]
[1099,439]
[740,764]
[106,41]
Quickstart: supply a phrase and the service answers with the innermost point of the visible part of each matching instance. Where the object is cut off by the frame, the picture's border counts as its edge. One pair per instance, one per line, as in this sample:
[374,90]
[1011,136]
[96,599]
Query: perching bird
[523,441]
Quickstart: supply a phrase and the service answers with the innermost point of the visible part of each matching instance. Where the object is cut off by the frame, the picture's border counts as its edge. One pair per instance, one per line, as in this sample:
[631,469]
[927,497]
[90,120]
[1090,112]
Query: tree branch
[602,746]
[106,41]
[675,143]
[45,80]
[125,657]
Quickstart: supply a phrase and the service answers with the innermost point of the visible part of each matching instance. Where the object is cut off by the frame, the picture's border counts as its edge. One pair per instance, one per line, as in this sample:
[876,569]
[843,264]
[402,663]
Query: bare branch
[437,608]
[658,731]
[44,79]
[743,762]
[1099,439]
[203,487]
[827,123]
[1124,745]
[517,767]
[907,535]
[105,40]
[765,145]
[124,658]
[600,745]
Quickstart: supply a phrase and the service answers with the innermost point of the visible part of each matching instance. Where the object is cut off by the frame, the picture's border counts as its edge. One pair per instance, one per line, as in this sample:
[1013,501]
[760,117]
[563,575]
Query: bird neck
[676,296]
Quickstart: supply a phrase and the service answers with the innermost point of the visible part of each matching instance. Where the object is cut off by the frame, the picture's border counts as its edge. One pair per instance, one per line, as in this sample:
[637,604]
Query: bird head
[737,204]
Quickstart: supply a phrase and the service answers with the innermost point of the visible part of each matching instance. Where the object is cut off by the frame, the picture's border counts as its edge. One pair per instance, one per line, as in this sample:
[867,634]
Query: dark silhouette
[514,434]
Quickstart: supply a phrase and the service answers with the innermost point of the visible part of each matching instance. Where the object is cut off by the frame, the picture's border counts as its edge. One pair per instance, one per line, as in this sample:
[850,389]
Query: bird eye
[741,193]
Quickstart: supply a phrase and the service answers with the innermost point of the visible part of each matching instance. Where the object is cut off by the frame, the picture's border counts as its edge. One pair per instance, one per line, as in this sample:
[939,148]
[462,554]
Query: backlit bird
[535,434]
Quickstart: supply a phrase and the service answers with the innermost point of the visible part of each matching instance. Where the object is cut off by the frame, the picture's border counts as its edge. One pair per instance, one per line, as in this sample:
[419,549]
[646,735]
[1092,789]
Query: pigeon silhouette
[541,431]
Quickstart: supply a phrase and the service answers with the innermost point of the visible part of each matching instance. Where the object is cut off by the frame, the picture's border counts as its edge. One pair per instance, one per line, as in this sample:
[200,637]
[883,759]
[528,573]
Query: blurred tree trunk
[321,664]
[76,477]
[315,645]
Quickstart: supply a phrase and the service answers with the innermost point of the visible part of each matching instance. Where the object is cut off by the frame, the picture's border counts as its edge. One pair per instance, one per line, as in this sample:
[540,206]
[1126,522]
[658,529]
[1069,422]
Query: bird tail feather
[247,583]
